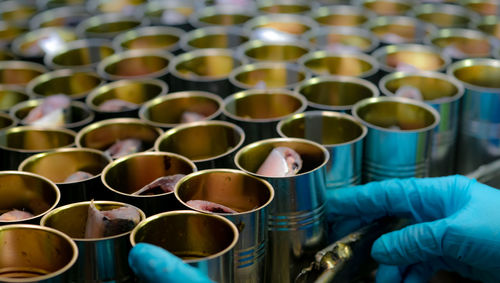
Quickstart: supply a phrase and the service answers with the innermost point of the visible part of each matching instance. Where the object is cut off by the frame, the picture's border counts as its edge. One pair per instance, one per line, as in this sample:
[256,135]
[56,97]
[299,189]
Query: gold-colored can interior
[218,40]
[338,19]
[431,88]
[444,20]
[361,42]
[129,174]
[134,91]
[191,236]
[5,121]
[484,8]
[233,189]
[276,52]
[57,166]
[18,75]
[387,8]
[151,41]
[225,19]
[201,141]
[59,18]
[20,14]
[276,77]
[112,27]
[11,97]
[169,111]
[77,114]
[296,28]
[26,192]
[49,4]
[30,45]
[490,25]
[154,11]
[407,31]
[33,251]
[334,129]
[137,66]
[9,31]
[335,93]
[117,6]
[6,55]
[473,47]
[285,8]
[422,60]
[207,66]
[35,139]
[479,75]
[388,114]
[338,65]
[82,56]
[73,85]
[262,105]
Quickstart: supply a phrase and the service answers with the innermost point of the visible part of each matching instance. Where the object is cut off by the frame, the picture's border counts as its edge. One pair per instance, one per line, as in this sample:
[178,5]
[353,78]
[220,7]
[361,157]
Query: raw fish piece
[260,85]
[409,92]
[405,67]
[189,117]
[166,184]
[124,147]
[14,215]
[52,119]
[210,206]
[116,105]
[281,162]
[110,222]
[78,176]
[48,106]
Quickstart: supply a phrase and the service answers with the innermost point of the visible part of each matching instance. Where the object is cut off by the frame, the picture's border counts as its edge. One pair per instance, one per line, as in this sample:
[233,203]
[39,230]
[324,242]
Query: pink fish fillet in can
[15,215]
[112,222]
[210,206]
[161,185]
[189,117]
[78,176]
[116,105]
[281,162]
[49,112]
[124,147]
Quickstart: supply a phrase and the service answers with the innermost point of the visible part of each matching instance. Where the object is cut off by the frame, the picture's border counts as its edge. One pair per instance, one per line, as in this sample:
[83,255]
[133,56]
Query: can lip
[266,92]
[35,128]
[403,100]
[364,129]
[250,25]
[18,64]
[383,51]
[332,78]
[14,121]
[343,10]
[82,27]
[93,6]
[179,128]
[205,52]
[343,30]
[269,3]
[326,155]
[74,45]
[245,10]
[426,74]
[263,66]
[62,270]
[55,13]
[43,78]
[33,34]
[28,160]
[148,31]
[258,43]
[465,33]
[44,179]
[192,212]
[139,154]
[450,9]
[101,66]
[154,6]
[225,170]
[426,28]
[474,62]
[13,5]
[176,95]
[319,54]
[207,31]
[44,219]
[89,100]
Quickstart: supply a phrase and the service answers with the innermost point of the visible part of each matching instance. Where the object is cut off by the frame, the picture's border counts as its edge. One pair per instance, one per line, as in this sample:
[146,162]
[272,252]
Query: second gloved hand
[458,226]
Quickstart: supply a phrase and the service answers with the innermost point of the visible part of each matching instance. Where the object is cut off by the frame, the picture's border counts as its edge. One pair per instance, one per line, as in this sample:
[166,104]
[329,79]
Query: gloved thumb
[413,244]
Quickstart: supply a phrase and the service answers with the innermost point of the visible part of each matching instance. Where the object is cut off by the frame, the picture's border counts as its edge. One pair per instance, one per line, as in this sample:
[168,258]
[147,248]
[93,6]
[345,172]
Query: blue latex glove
[458,226]
[154,264]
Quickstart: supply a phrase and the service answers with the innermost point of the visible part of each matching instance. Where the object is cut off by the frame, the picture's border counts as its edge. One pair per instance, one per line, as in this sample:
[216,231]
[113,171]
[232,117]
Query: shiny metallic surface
[340,134]
[19,73]
[80,54]
[35,44]
[341,63]
[444,94]
[387,7]
[294,25]
[76,84]
[490,25]
[285,6]
[399,29]
[35,254]
[10,96]
[17,12]
[221,15]
[6,121]
[250,197]
[482,7]
[99,259]
[156,37]
[399,139]
[128,174]
[26,192]
[75,117]
[341,15]
[135,64]
[59,164]
[478,138]
[49,4]
[101,135]
[137,91]
[204,70]
[6,55]
[9,31]
[297,223]
[19,143]
[336,93]
[204,241]
[113,6]
[108,25]
[465,43]
[209,144]
[342,38]
[407,57]
[69,16]
[161,12]
[166,111]
[214,37]
[258,111]
[267,75]
[262,51]
[445,15]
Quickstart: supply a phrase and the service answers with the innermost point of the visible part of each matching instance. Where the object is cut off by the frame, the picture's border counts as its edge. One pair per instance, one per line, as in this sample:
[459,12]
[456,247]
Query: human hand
[458,226]
[154,264]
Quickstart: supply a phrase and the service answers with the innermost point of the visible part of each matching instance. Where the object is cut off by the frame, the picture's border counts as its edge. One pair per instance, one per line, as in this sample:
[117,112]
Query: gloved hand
[458,226]
[154,264]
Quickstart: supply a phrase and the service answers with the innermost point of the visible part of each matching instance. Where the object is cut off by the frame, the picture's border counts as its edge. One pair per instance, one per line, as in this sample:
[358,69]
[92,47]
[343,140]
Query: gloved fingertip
[388,274]
[382,249]
[421,272]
